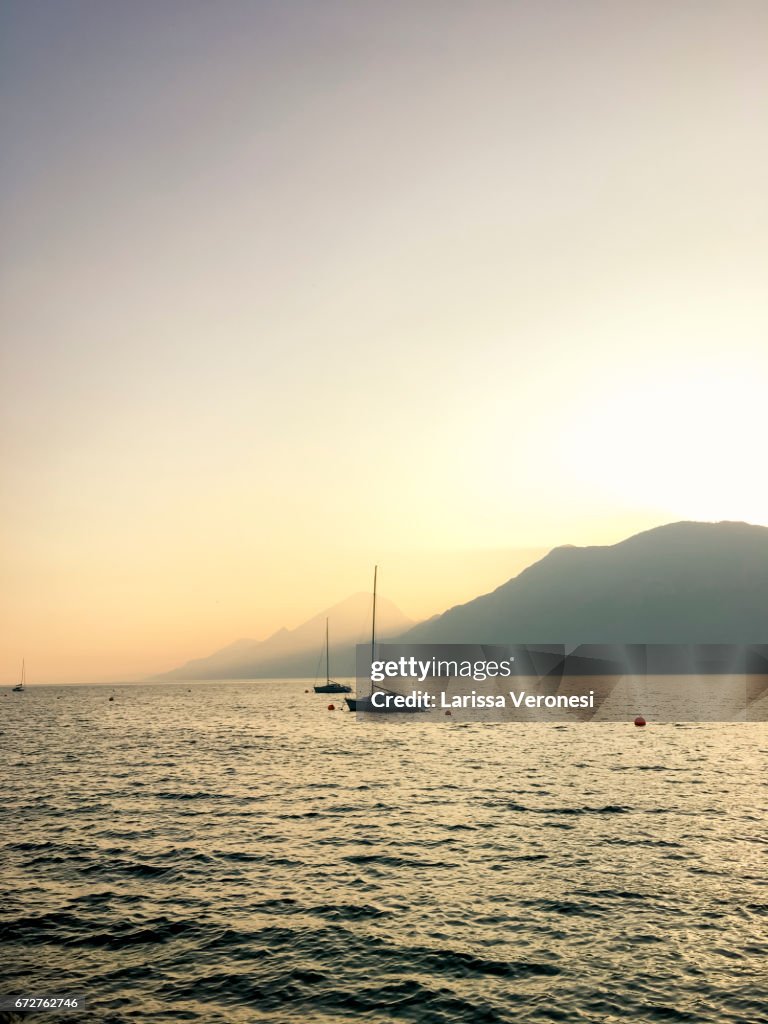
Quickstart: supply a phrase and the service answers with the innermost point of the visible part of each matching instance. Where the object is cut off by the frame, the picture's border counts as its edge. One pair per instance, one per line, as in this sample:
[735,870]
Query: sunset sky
[288,288]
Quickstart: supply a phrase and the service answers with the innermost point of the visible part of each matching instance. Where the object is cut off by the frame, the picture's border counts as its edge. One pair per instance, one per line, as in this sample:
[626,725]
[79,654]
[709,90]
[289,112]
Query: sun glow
[680,443]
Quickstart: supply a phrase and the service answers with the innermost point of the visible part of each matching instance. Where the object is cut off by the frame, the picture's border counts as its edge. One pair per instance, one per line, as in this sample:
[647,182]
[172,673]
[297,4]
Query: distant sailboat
[329,686]
[20,687]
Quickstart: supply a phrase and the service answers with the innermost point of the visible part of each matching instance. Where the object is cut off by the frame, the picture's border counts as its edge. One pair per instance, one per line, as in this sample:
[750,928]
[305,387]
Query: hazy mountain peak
[295,651]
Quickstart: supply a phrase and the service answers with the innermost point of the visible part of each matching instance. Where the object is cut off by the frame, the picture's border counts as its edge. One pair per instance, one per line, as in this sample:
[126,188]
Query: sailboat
[366,703]
[19,688]
[330,686]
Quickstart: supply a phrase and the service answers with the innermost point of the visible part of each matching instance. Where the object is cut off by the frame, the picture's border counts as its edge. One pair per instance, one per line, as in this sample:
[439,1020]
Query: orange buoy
[331,707]
[639,720]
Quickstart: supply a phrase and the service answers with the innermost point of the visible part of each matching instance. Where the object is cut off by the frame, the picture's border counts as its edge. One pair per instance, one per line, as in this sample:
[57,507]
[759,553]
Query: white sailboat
[20,687]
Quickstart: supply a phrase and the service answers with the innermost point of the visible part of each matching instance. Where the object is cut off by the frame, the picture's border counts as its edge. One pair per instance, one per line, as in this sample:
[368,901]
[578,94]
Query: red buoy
[639,720]
[331,707]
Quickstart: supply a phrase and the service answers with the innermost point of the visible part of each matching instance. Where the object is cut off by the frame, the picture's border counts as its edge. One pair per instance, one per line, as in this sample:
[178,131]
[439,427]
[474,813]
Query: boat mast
[327,655]
[23,671]
[373,620]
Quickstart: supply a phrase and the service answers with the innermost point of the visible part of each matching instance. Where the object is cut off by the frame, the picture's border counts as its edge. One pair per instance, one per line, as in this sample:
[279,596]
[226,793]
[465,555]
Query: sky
[289,288]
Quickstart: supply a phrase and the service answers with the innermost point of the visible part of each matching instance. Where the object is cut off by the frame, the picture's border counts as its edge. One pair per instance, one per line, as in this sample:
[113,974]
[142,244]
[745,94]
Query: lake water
[226,853]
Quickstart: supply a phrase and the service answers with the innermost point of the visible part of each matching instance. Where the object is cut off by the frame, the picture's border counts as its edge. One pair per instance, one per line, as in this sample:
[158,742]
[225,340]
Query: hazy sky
[290,287]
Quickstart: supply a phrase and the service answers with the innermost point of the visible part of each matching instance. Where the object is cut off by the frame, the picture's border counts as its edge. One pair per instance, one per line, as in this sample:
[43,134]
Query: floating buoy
[331,707]
[306,691]
[111,698]
[447,712]
[639,721]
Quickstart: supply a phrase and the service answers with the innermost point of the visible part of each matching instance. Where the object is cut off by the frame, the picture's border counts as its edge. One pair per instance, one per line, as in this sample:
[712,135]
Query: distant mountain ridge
[685,582]
[296,652]
[682,583]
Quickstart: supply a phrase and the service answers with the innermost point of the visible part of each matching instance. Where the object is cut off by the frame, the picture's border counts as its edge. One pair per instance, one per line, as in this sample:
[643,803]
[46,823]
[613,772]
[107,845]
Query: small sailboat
[21,686]
[330,686]
[366,703]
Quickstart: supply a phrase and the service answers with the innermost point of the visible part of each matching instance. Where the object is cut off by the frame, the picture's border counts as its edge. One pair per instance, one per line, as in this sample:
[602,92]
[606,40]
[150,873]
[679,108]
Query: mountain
[296,652]
[680,583]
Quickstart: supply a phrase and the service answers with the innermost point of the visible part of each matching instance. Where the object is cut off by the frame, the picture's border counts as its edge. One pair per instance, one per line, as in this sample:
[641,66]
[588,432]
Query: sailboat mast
[23,672]
[327,655]
[373,619]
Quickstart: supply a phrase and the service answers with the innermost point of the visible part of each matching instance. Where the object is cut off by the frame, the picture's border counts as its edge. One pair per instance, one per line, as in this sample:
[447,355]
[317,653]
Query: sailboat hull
[366,704]
[333,688]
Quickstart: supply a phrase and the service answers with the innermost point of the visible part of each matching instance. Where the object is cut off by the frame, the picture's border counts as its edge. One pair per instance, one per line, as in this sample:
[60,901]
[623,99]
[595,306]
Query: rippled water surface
[235,852]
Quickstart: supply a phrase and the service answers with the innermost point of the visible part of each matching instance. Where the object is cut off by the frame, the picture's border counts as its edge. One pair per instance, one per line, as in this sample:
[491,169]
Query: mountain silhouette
[296,652]
[684,583]
[681,583]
